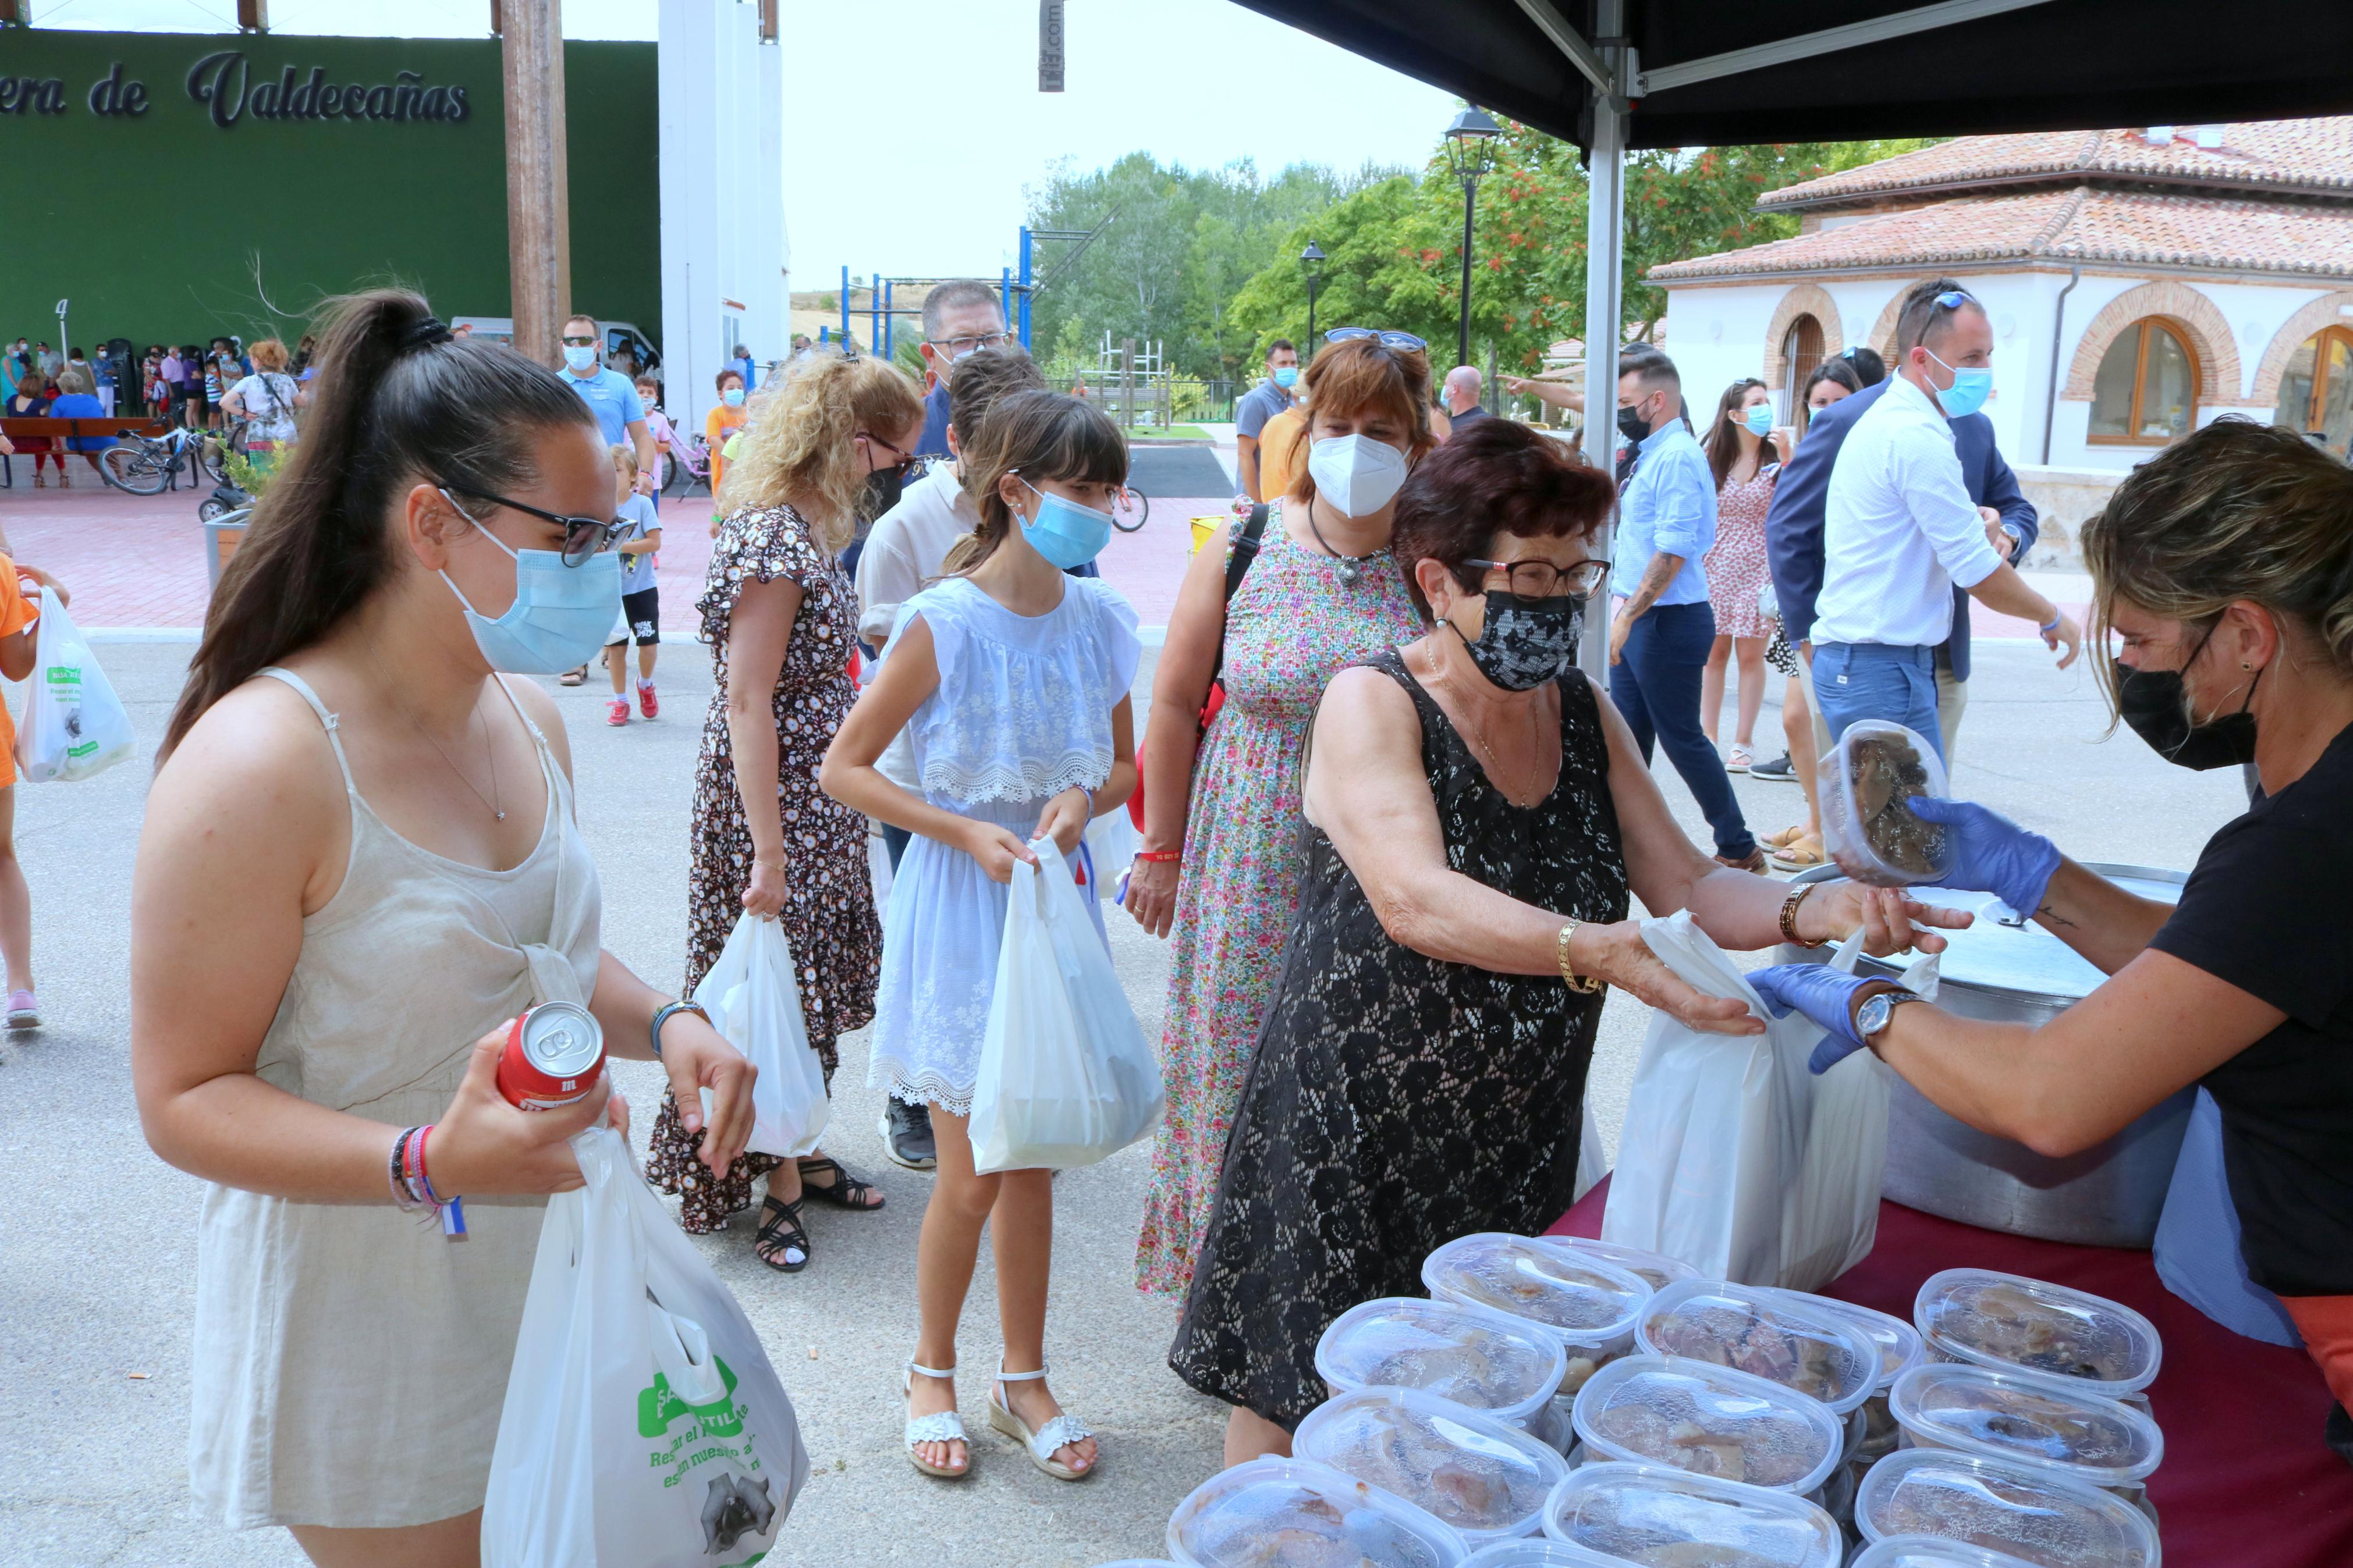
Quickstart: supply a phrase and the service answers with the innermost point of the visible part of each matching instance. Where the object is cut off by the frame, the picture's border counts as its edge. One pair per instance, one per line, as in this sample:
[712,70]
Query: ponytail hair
[1041,436]
[398,400]
[799,445]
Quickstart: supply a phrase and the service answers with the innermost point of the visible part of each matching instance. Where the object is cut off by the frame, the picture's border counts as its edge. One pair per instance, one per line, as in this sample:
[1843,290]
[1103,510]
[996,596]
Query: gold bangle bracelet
[1583,984]
[1789,917]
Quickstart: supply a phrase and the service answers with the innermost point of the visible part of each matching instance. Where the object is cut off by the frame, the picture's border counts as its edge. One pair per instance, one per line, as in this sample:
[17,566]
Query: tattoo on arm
[1661,572]
[2049,914]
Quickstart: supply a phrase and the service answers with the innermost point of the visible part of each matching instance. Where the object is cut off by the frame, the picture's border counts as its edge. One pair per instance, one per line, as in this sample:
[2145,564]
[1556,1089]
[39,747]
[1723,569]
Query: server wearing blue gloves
[2225,567]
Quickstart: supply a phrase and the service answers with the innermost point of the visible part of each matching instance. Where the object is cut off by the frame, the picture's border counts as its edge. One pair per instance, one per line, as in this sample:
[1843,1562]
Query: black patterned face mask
[1522,646]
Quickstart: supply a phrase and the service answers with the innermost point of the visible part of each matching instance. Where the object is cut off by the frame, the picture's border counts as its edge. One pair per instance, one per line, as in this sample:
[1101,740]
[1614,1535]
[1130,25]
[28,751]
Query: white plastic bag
[1110,845]
[73,728]
[643,1425]
[1066,1078]
[755,1004]
[1736,1158]
[1591,1164]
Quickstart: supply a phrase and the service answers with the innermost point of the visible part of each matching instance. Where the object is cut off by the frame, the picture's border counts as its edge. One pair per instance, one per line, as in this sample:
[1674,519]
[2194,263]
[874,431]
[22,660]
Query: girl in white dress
[1012,679]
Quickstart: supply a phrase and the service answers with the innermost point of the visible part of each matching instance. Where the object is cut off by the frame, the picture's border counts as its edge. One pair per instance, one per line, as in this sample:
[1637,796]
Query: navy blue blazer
[1793,527]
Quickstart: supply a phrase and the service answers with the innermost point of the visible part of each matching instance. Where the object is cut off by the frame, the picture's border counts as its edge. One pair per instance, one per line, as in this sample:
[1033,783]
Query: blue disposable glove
[1825,995]
[1991,854]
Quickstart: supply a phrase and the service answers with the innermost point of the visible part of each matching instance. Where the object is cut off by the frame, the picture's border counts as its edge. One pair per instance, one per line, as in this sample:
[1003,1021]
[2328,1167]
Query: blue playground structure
[1016,288]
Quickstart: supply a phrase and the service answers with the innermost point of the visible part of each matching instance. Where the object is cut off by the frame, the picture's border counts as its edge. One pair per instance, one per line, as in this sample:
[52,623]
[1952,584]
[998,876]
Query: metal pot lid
[2027,959]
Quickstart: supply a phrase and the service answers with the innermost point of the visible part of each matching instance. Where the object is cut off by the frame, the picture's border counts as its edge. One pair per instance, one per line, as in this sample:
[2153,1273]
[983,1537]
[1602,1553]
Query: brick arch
[2183,308]
[1804,300]
[2326,312]
[1882,330]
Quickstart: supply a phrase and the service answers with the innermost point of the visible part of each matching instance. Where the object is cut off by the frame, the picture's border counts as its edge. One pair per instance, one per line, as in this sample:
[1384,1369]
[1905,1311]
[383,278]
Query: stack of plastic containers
[1489,1481]
[1640,1513]
[1585,1304]
[1484,1361]
[2030,1511]
[1284,1512]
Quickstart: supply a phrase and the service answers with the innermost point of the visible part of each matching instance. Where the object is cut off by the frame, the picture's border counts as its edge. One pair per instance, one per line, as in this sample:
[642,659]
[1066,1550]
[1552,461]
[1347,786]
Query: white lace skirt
[939,937]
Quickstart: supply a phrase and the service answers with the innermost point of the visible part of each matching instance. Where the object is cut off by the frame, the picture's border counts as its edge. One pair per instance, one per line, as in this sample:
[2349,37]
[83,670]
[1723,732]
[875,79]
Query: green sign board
[173,186]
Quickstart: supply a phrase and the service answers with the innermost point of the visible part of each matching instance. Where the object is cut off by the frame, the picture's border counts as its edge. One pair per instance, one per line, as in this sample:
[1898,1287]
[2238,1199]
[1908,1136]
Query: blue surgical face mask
[1969,392]
[1759,417]
[733,398]
[561,614]
[1065,534]
[581,357]
[1286,375]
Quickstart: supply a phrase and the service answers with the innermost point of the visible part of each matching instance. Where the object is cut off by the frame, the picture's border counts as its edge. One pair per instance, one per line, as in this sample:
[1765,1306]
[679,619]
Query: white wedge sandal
[1043,1444]
[939,1427]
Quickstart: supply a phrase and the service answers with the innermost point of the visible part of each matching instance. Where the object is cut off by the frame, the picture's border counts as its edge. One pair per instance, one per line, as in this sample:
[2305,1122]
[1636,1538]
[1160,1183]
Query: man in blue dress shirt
[1664,628]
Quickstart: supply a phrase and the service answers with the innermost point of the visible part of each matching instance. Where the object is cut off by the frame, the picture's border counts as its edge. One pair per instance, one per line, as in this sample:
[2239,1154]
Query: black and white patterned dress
[1397,1101]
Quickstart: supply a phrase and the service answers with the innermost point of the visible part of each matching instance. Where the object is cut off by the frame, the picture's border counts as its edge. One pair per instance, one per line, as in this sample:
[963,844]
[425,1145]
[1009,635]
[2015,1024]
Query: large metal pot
[2107,1195]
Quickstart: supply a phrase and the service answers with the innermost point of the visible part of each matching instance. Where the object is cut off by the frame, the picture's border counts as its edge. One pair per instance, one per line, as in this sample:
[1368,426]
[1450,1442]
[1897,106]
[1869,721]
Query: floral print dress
[828,915]
[1292,625]
[1737,567]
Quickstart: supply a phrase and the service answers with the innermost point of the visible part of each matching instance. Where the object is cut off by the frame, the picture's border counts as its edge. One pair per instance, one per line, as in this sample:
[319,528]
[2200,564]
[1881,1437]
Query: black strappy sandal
[844,1192]
[779,1234]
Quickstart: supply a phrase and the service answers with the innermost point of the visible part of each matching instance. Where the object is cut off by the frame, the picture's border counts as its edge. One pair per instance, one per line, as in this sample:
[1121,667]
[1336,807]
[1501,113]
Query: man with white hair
[1461,394]
[960,317]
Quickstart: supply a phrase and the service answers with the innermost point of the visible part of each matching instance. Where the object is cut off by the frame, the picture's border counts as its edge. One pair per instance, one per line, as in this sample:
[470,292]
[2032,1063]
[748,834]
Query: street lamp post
[1310,268]
[1469,153]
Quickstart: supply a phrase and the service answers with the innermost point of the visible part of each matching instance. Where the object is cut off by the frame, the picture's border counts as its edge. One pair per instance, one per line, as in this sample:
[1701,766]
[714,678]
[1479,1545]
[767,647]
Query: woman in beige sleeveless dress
[361,860]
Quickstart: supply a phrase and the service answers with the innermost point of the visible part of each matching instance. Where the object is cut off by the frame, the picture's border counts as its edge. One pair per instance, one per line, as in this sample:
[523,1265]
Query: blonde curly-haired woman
[781,617]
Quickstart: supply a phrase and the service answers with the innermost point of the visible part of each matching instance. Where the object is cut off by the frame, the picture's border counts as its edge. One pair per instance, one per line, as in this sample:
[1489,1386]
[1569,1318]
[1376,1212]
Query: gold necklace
[1495,767]
[489,754]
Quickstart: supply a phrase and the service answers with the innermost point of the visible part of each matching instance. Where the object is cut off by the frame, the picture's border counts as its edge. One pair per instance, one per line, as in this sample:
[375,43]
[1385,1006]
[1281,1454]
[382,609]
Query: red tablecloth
[2246,1481]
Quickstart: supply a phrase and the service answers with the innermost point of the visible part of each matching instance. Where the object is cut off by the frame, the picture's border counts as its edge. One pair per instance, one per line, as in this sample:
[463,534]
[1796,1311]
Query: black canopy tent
[1611,75]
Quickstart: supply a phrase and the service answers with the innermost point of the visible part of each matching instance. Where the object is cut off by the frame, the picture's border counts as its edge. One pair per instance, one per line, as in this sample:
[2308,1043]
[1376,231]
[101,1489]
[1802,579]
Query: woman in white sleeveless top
[361,860]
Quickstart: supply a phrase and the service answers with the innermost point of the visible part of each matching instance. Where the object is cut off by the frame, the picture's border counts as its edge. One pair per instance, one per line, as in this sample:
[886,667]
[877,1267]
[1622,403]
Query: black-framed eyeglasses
[959,347]
[1389,338]
[583,536]
[1534,581]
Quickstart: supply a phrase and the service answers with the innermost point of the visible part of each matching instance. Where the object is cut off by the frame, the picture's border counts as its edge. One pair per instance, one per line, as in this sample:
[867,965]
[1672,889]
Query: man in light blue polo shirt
[609,395]
[1660,637]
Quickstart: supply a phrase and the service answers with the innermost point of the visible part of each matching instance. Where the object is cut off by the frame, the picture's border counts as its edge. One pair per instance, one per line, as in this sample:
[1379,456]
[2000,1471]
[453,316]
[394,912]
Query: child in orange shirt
[721,422]
[20,614]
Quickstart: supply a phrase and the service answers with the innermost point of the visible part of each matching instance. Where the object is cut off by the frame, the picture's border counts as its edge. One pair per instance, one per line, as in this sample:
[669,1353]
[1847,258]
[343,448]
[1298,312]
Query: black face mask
[882,489]
[2153,704]
[1522,646]
[1633,426]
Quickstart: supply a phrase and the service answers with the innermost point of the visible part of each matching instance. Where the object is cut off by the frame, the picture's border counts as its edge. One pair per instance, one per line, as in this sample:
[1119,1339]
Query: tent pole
[1605,311]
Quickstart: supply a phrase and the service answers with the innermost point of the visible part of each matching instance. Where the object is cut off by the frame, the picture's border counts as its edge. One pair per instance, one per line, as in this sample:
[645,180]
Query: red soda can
[553,1056]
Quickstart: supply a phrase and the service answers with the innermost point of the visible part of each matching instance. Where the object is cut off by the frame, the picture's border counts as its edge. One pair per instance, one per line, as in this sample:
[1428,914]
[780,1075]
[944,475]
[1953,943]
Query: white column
[1605,314]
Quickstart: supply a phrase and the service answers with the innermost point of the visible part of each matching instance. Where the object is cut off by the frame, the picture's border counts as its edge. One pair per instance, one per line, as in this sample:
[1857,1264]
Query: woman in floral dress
[1745,452]
[781,617]
[1221,858]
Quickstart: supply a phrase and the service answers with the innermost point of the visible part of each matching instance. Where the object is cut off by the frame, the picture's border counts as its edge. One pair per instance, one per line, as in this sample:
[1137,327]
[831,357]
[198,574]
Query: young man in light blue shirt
[1660,636]
[609,394]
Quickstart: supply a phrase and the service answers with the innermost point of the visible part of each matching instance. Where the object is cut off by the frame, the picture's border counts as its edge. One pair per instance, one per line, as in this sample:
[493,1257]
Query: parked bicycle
[145,465]
[689,458]
[1131,511]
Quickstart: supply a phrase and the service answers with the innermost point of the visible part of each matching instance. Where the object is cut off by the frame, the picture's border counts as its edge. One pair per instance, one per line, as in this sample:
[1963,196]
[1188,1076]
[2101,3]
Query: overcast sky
[911,126]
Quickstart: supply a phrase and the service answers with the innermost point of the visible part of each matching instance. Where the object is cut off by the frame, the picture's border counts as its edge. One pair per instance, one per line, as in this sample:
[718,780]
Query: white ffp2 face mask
[1356,474]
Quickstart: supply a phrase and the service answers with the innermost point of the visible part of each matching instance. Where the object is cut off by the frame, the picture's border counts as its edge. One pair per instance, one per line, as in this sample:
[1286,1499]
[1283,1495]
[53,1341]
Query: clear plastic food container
[1708,1420]
[1928,1552]
[1287,1513]
[1480,1359]
[1485,1479]
[1975,1411]
[1655,1269]
[1872,1432]
[2036,1330]
[2030,1511]
[1782,1336]
[1867,829]
[1536,1551]
[1642,1513]
[1587,1305]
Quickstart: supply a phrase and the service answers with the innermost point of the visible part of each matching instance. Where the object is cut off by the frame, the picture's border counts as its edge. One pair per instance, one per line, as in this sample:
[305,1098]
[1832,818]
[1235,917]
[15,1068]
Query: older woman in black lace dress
[1476,818]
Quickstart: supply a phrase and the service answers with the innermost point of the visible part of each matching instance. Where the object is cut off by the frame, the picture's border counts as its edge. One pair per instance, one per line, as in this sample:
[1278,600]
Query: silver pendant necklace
[1349,567]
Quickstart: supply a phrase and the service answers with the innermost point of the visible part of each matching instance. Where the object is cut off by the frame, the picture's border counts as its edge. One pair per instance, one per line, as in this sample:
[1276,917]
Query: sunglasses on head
[583,536]
[1388,339]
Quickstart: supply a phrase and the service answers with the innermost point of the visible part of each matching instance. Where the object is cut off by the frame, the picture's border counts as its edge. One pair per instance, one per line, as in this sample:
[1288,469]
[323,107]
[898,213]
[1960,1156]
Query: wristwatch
[1872,1017]
[2017,537]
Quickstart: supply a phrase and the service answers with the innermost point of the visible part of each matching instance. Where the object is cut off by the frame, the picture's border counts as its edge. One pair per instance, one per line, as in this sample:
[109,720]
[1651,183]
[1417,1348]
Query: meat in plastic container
[1271,1513]
[1867,828]
[1872,1432]
[1784,1336]
[1642,1513]
[1536,1551]
[1928,1552]
[1587,1305]
[1709,1420]
[2030,1511]
[2039,1331]
[1482,1360]
[2080,1434]
[1655,1269]
[1486,1480]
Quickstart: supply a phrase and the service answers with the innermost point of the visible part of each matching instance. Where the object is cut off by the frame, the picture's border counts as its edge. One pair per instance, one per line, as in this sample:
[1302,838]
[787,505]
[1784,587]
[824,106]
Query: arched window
[2316,391]
[2147,389]
[1801,350]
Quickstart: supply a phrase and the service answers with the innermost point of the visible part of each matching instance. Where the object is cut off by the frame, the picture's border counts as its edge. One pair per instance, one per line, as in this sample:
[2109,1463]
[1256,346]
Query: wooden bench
[76,428]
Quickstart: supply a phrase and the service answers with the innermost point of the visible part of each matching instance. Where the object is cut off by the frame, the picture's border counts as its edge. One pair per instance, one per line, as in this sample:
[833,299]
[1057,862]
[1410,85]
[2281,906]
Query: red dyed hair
[1494,476]
[1358,373]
